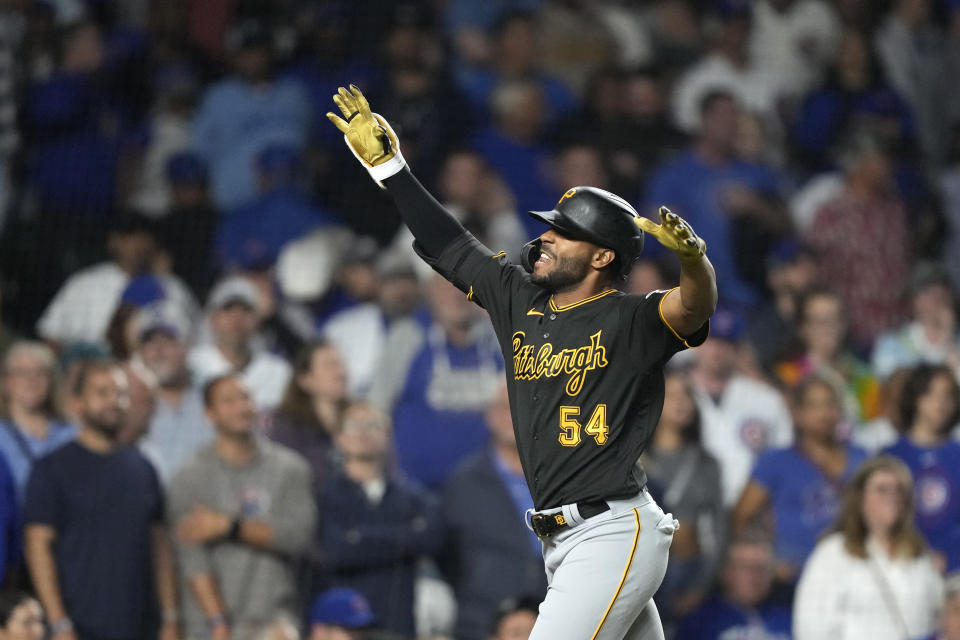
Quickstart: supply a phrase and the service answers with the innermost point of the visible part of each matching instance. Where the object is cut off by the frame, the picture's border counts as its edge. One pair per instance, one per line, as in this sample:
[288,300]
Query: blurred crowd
[234,403]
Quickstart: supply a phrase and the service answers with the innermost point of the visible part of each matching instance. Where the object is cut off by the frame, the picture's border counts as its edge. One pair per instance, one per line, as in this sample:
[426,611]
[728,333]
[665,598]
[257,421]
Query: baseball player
[585,376]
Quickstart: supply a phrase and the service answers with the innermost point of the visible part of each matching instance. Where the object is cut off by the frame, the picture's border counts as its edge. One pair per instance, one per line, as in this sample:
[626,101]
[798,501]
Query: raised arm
[375,145]
[691,304]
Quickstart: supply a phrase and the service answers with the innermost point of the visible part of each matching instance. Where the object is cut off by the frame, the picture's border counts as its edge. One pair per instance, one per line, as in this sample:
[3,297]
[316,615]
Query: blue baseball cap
[143,290]
[727,324]
[342,607]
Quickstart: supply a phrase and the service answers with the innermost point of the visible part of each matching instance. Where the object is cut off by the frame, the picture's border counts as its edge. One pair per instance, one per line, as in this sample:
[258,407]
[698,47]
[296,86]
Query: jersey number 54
[570,427]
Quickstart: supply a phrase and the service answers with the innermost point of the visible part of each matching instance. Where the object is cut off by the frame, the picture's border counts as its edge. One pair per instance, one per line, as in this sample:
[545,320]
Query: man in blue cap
[340,614]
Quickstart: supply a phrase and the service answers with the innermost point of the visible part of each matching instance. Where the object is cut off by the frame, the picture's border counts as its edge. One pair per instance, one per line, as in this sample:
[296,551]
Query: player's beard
[568,272]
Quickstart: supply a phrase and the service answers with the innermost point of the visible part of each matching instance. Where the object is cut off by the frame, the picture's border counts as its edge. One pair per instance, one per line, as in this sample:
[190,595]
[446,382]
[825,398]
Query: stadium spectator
[742,608]
[495,557]
[422,99]
[313,404]
[121,333]
[930,408]
[82,308]
[740,417]
[686,480]
[167,136]
[469,25]
[734,205]
[515,619]
[772,328]
[793,41]
[187,228]
[854,91]
[252,236]
[514,59]
[374,525]
[21,617]
[340,614]
[871,577]
[869,275]
[725,68]
[244,113]
[650,134]
[931,336]
[480,200]
[94,508]
[911,49]
[360,332]
[178,426]
[242,512]
[31,424]
[234,311]
[513,145]
[802,485]
[436,382]
[822,326]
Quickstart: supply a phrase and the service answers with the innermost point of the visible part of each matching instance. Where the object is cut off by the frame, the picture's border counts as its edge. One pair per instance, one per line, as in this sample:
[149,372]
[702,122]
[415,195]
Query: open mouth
[544,258]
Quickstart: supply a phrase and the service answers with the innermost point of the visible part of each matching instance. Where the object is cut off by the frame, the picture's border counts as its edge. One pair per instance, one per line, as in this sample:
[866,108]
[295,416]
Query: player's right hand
[675,234]
[368,135]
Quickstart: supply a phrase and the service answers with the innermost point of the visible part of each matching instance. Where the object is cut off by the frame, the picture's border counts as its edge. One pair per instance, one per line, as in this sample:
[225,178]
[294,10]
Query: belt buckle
[546,525]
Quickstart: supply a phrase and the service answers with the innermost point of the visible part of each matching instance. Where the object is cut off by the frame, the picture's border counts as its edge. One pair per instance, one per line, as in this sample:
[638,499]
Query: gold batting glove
[368,135]
[675,234]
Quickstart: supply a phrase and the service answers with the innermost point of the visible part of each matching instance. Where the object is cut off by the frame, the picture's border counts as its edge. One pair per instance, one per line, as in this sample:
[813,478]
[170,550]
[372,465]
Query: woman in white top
[871,576]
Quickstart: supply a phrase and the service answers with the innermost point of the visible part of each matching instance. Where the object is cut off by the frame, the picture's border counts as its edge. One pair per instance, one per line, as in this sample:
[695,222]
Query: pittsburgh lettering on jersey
[574,361]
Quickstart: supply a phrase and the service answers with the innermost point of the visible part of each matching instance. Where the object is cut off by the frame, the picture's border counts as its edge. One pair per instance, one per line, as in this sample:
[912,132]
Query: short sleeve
[42,497]
[766,471]
[488,278]
[652,339]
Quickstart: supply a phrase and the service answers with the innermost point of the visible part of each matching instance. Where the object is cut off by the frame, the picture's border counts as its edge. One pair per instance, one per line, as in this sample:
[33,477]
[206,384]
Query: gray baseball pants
[603,571]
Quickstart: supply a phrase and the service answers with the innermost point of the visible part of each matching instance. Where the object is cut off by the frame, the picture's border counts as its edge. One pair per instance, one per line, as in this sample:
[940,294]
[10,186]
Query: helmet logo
[569,193]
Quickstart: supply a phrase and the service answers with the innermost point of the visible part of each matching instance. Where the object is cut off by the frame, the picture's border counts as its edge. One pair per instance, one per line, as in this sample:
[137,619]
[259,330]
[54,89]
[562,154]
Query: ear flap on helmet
[529,254]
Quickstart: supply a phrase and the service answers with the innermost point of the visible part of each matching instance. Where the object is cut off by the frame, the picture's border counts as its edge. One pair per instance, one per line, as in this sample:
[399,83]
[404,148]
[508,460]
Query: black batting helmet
[597,216]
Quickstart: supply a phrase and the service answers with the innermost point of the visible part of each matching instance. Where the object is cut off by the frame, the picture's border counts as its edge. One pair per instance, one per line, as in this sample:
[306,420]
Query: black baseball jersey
[585,381]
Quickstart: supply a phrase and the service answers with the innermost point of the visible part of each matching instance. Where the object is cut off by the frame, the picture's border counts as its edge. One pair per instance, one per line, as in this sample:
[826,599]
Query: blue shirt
[516,485]
[525,169]
[694,191]
[805,501]
[235,122]
[936,487]
[438,418]
[253,235]
[719,620]
[102,508]
[21,449]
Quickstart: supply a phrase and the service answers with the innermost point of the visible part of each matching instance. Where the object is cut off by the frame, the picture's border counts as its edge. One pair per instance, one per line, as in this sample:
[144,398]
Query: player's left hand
[675,234]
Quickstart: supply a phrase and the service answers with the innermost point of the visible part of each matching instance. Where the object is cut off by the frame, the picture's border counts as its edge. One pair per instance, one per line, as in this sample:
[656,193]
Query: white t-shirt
[840,597]
[82,308]
[266,375]
[750,418]
[796,45]
[715,73]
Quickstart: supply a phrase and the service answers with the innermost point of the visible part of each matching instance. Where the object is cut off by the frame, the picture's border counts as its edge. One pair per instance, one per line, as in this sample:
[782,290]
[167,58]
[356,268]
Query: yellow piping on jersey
[553,305]
[499,254]
[470,293]
[623,580]
[672,330]
[534,312]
